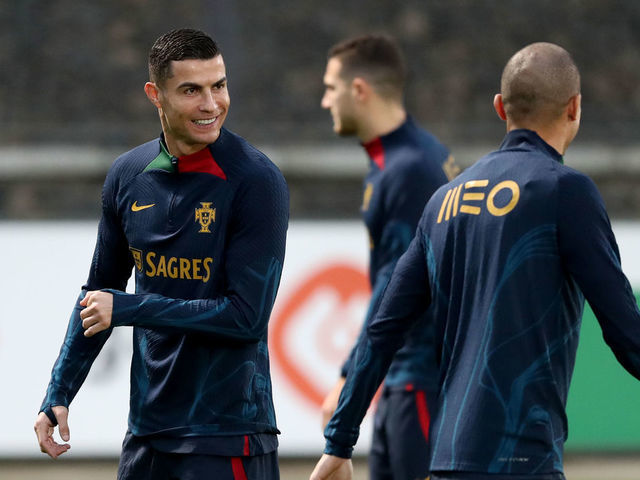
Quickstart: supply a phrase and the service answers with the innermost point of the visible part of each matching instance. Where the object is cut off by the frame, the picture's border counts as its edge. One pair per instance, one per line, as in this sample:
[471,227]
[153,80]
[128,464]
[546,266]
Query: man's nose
[209,101]
[324,103]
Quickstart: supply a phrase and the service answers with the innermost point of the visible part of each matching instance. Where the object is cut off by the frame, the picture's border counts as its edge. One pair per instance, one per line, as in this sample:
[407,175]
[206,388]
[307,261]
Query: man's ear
[499,106]
[573,107]
[152,91]
[360,89]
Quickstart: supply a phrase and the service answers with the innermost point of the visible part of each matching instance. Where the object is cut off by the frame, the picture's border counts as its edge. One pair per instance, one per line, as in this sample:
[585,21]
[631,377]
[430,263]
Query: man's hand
[96,317]
[44,431]
[332,468]
[330,402]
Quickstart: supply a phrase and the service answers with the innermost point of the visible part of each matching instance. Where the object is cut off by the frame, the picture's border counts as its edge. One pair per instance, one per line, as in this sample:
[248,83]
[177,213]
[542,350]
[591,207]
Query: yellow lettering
[196,269]
[476,183]
[172,269]
[452,203]
[178,267]
[457,198]
[469,209]
[449,205]
[207,267]
[472,196]
[515,196]
[185,266]
[162,267]
[152,268]
[444,205]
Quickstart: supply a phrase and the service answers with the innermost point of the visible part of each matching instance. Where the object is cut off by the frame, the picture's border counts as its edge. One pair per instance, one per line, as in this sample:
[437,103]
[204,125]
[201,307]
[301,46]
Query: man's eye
[190,91]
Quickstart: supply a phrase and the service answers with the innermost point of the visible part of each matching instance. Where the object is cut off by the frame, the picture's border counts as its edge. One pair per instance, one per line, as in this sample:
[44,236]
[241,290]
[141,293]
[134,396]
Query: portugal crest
[137,257]
[205,215]
[366,199]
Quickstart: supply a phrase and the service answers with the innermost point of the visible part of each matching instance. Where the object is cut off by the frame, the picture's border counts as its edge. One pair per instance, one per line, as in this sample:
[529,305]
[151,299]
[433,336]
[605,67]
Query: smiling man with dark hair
[201,216]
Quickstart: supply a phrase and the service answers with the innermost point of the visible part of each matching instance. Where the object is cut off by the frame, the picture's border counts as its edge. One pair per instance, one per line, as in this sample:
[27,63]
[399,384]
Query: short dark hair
[538,82]
[176,45]
[375,57]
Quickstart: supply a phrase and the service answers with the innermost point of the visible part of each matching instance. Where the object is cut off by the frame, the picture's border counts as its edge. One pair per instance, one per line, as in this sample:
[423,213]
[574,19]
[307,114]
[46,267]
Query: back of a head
[176,45]
[376,58]
[538,82]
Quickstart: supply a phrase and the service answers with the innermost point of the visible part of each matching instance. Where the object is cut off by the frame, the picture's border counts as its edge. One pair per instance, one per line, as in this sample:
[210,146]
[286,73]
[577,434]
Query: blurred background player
[187,210]
[503,258]
[364,82]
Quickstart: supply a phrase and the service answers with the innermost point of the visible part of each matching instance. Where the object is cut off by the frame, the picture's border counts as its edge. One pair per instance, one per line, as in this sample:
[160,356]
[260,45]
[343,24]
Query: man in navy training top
[503,258]
[364,83]
[201,216]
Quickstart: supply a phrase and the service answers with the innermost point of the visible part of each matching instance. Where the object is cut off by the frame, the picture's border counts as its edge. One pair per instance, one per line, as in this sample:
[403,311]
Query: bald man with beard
[503,258]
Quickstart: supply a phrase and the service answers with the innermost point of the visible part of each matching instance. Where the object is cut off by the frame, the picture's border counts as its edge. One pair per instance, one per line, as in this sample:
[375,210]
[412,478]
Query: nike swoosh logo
[136,208]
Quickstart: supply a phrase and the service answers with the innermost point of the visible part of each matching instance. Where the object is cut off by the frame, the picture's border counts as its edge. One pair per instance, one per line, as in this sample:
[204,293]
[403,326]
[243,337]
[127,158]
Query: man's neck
[381,120]
[553,135]
[182,149]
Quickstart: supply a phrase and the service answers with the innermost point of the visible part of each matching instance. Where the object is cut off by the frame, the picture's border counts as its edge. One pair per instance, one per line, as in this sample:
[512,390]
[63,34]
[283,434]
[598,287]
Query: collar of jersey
[375,147]
[520,137]
[201,161]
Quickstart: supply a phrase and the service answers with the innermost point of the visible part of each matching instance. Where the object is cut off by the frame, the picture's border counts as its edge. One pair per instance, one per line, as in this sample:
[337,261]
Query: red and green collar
[201,161]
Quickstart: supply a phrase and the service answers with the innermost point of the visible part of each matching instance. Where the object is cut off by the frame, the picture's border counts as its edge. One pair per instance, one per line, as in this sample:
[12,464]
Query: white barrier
[321,303]
[45,264]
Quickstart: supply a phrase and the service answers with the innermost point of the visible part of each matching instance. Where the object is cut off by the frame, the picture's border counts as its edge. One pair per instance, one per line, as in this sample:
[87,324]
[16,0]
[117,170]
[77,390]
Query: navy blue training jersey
[406,167]
[205,234]
[501,260]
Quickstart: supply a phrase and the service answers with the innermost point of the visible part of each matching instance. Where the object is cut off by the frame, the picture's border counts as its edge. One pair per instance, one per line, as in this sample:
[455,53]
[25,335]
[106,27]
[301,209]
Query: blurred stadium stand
[72,73]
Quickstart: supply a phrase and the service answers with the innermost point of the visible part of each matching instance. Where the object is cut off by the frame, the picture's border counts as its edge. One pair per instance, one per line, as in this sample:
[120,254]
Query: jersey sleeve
[405,197]
[590,253]
[405,298]
[253,262]
[110,268]
[382,280]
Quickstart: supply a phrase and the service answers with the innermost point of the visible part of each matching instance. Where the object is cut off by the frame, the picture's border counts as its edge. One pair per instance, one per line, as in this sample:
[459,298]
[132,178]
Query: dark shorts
[140,461]
[400,445]
[486,476]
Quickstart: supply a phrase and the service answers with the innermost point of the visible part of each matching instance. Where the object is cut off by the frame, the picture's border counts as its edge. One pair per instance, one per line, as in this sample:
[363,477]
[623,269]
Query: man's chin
[206,139]
[344,132]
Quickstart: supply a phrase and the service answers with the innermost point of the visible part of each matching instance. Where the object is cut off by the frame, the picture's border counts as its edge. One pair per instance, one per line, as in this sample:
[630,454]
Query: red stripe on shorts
[246,451]
[423,413]
[238,469]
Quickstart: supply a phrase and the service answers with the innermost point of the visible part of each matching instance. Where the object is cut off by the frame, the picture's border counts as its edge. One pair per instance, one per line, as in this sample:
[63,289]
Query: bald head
[538,82]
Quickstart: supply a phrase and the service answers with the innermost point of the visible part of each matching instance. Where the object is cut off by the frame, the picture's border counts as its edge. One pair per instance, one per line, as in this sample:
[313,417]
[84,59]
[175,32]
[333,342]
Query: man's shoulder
[137,158]
[429,138]
[132,162]
[428,143]
[543,173]
[417,159]
[416,152]
[576,180]
[230,143]
[550,169]
[242,159]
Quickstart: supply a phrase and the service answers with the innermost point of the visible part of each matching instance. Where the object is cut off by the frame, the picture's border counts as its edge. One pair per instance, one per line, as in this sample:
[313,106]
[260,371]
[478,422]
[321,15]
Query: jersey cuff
[332,448]
[124,306]
[48,411]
